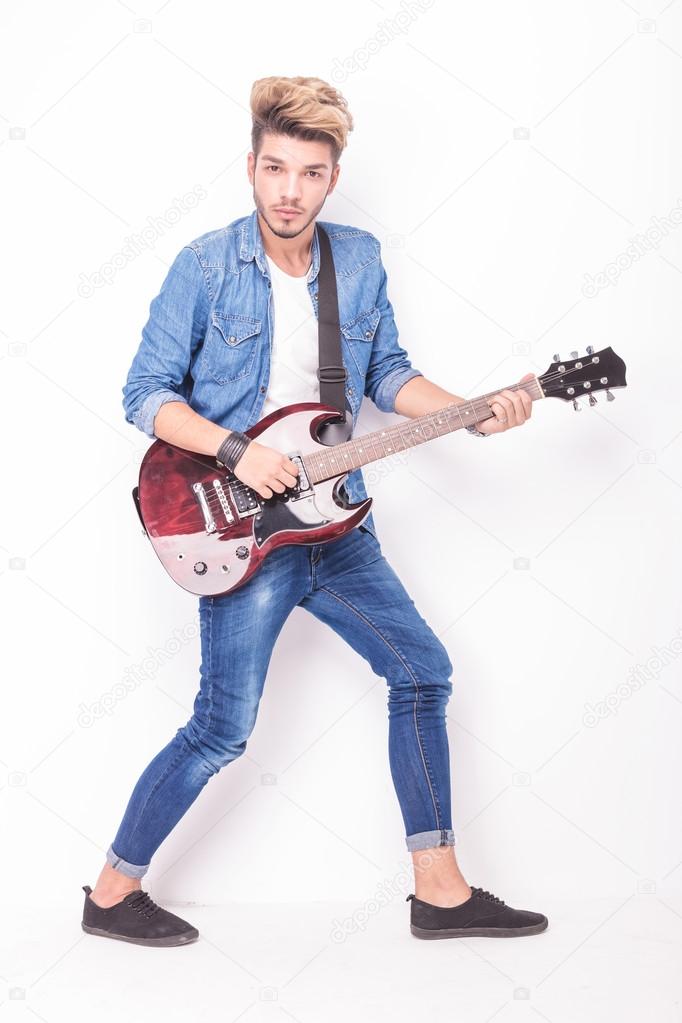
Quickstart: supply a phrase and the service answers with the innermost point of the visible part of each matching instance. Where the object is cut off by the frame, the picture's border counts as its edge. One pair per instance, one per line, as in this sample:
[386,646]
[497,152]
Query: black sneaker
[136,918]
[482,914]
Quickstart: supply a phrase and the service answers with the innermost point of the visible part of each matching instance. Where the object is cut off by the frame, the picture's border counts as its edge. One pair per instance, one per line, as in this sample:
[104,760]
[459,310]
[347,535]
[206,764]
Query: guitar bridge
[200,494]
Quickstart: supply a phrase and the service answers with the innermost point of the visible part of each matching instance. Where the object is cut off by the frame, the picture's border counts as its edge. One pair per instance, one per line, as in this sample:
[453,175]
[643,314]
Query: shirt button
[232,339]
[262,390]
[368,333]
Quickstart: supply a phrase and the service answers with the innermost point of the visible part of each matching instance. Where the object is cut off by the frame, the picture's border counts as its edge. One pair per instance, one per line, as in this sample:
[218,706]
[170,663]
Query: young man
[231,337]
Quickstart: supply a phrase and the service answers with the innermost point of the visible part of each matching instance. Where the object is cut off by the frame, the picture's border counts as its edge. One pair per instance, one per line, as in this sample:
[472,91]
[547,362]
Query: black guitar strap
[331,372]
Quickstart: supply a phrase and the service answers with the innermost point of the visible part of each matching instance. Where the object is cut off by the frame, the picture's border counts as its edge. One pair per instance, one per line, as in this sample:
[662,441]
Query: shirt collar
[252,246]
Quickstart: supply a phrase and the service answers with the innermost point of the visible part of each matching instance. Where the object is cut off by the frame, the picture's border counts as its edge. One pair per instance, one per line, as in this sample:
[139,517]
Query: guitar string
[239,488]
[452,408]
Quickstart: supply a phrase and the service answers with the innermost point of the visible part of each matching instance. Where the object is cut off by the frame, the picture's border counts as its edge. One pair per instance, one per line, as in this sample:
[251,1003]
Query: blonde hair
[306,108]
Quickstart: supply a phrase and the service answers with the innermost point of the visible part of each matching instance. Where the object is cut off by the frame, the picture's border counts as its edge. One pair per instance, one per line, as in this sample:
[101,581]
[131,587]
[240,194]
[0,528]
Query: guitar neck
[371,447]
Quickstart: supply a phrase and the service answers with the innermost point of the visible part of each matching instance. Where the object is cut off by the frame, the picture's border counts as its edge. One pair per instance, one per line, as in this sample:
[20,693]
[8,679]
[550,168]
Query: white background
[502,152]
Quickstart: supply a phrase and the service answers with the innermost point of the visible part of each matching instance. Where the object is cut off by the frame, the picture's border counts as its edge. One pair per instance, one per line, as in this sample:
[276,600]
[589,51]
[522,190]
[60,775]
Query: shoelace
[145,904]
[488,896]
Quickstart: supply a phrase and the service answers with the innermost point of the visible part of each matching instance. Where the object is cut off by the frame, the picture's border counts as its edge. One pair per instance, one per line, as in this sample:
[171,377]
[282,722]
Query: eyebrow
[274,159]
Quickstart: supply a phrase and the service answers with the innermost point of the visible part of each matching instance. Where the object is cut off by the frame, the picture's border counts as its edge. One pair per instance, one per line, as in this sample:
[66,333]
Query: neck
[341,458]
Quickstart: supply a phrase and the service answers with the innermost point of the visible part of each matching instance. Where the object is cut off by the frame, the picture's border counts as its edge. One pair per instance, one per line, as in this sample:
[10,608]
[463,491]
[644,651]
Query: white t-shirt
[295,351]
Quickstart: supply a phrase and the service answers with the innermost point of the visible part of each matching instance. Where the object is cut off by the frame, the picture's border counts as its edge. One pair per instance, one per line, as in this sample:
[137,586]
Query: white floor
[598,960]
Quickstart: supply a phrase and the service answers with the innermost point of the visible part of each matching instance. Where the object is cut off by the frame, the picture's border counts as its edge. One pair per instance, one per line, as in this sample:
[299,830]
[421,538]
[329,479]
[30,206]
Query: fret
[368,441]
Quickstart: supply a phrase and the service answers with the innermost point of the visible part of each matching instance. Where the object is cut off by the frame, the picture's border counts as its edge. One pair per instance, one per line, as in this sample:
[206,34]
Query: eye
[273,166]
[316,173]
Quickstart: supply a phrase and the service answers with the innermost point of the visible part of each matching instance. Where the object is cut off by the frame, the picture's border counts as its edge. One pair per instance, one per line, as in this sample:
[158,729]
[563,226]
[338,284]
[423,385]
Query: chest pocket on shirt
[230,347]
[359,334]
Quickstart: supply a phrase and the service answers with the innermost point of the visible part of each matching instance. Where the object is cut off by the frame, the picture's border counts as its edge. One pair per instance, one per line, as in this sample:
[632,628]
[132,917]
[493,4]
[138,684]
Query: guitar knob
[556,358]
[574,355]
[200,567]
[576,406]
[609,396]
[589,350]
[593,400]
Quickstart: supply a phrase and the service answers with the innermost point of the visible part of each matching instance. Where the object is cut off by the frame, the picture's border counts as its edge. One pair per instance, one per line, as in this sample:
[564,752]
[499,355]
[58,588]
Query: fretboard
[339,458]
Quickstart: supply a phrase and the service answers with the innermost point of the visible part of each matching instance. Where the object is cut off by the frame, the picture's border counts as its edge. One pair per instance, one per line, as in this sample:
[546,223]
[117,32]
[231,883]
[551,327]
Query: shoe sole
[172,939]
[483,932]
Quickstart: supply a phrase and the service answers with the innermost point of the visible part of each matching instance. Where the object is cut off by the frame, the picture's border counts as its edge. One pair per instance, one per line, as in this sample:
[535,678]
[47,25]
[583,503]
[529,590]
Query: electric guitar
[211,532]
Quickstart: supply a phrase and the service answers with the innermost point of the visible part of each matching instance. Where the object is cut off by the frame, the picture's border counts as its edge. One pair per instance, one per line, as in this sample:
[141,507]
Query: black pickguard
[276,514]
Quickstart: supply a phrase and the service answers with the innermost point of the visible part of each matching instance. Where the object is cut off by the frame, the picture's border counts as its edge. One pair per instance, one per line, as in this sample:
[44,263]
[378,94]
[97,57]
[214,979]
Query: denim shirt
[208,338]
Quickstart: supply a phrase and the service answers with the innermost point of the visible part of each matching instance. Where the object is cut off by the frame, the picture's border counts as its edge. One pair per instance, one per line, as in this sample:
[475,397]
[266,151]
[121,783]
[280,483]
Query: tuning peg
[609,396]
[576,406]
[556,358]
[593,400]
[589,350]
[574,355]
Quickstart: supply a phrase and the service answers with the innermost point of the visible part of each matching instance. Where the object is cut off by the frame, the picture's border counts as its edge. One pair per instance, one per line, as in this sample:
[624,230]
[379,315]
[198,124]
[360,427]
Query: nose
[294,191]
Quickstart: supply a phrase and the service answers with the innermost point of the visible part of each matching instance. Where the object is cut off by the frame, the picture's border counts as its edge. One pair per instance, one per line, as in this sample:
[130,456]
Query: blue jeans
[348,584]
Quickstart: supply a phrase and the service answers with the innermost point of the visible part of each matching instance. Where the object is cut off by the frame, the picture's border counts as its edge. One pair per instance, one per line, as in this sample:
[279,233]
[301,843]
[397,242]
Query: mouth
[284,212]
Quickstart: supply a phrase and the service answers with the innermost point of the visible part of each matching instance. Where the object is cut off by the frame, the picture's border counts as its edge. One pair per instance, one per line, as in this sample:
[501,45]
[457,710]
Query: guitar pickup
[244,498]
[302,486]
[224,503]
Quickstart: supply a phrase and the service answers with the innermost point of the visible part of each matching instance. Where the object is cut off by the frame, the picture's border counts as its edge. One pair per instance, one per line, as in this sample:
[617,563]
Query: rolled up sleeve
[389,365]
[175,328]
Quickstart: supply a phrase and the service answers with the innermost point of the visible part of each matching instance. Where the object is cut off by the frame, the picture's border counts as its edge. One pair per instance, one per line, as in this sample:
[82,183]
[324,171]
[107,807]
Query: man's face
[292,174]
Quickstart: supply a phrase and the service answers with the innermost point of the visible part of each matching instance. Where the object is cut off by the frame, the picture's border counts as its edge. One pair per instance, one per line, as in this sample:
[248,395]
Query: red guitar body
[212,532]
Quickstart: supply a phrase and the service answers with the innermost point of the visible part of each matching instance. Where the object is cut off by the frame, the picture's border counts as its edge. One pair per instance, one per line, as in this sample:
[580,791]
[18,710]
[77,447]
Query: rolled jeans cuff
[430,839]
[129,869]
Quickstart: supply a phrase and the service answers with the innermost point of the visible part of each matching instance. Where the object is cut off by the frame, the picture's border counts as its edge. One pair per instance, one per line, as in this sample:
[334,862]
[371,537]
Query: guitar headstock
[572,378]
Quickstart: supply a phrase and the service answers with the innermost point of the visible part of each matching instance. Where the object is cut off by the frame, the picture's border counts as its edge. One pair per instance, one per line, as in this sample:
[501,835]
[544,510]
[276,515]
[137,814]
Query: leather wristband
[232,449]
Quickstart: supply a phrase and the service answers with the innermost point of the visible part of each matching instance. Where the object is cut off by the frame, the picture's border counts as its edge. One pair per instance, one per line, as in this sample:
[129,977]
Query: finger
[517,405]
[519,411]
[499,411]
[504,410]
